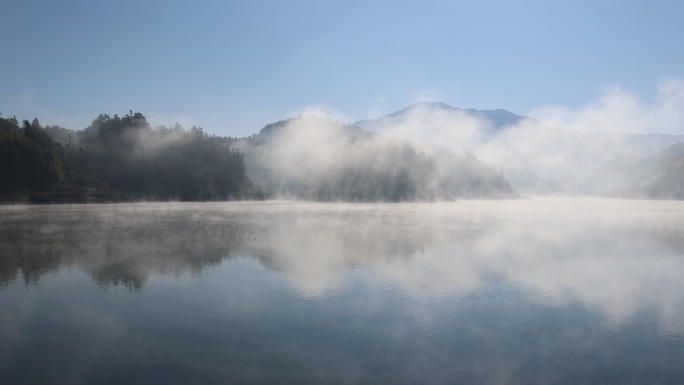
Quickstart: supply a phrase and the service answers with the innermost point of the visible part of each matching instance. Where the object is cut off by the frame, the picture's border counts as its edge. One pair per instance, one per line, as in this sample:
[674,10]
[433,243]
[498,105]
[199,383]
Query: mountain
[490,120]
[319,159]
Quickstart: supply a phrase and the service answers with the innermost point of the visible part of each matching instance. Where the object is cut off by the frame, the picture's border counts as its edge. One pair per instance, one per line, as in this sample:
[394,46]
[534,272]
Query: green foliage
[124,154]
[28,157]
[164,163]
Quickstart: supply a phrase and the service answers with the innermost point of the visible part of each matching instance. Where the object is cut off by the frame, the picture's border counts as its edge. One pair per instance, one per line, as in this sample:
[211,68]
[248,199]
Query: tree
[28,157]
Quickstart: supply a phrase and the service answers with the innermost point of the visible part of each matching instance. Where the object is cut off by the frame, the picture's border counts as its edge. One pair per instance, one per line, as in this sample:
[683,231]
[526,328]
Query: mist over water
[525,291]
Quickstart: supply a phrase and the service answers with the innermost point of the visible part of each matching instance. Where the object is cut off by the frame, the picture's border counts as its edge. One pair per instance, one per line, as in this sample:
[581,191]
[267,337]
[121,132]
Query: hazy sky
[234,66]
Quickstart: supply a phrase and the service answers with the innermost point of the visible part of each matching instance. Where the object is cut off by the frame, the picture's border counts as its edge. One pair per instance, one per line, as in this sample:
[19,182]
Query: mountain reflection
[618,257]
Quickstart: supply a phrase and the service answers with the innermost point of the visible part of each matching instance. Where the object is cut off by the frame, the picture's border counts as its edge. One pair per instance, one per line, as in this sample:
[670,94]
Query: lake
[535,291]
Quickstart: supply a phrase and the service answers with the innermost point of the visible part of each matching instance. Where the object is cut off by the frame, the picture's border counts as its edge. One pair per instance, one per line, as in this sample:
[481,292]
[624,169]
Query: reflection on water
[535,291]
[114,243]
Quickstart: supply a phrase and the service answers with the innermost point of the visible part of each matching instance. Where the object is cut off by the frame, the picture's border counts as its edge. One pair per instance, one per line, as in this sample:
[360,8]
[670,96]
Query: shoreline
[64,196]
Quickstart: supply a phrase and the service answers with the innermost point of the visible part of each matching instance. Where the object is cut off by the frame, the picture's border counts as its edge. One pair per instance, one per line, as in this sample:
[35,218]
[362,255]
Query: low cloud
[318,158]
[590,150]
[621,111]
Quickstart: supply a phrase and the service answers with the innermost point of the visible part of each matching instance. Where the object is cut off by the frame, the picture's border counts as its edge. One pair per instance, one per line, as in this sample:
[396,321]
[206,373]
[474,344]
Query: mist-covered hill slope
[658,177]
[318,159]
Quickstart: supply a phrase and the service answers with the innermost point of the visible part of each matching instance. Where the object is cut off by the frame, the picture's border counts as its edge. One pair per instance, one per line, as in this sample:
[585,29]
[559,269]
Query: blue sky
[234,66]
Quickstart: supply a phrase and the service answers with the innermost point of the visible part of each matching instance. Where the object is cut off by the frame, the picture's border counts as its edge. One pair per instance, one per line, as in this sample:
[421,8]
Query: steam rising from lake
[522,291]
[617,257]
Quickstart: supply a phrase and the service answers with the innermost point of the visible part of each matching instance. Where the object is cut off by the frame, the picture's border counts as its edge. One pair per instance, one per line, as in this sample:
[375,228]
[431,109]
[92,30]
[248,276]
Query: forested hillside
[124,158]
[318,159]
[29,158]
[118,158]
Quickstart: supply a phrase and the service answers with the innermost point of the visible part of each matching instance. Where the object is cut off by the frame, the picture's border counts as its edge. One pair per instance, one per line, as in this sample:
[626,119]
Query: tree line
[124,158]
[121,154]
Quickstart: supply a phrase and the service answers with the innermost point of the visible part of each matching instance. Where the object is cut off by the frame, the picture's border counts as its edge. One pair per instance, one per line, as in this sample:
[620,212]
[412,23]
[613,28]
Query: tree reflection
[618,256]
[115,244]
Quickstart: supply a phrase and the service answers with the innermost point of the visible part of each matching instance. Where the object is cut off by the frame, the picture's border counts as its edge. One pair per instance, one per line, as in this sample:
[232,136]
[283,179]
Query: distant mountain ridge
[498,118]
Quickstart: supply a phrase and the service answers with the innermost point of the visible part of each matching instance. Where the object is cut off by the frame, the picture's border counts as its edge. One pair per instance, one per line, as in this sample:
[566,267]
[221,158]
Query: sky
[232,67]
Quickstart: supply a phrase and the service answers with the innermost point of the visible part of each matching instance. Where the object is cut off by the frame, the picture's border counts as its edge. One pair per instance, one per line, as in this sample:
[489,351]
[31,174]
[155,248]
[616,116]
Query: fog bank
[593,150]
[316,158]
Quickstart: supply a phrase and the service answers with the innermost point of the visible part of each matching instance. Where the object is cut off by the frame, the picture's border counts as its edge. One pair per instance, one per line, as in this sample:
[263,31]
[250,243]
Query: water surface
[492,292]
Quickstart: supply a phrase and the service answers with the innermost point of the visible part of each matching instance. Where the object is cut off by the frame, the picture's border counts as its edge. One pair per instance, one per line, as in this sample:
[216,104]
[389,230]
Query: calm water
[576,291]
